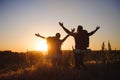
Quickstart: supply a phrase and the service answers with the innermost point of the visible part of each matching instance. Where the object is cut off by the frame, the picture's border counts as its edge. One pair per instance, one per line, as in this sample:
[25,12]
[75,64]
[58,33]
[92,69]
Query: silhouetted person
[81,38]
[54,47]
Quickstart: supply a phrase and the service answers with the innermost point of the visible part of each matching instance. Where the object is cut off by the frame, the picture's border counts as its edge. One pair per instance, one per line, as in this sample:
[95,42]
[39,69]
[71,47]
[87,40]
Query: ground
[93,72]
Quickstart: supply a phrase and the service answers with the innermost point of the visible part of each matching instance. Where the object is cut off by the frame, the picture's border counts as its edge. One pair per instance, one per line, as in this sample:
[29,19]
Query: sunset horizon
[20,20]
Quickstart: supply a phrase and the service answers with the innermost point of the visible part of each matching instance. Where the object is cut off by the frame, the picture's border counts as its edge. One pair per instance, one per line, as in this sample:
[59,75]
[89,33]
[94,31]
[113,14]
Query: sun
[41,45]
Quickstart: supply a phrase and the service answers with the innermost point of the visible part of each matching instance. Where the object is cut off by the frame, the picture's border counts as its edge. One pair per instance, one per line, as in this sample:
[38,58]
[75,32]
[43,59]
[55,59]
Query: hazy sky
[21,19]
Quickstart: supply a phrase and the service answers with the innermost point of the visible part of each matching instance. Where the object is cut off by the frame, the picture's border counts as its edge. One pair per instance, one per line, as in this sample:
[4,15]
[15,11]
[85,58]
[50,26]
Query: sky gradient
[21,19]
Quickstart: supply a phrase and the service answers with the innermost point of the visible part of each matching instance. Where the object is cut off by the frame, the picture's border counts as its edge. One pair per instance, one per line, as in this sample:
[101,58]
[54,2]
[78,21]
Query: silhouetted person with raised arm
[54,47]
[81,38]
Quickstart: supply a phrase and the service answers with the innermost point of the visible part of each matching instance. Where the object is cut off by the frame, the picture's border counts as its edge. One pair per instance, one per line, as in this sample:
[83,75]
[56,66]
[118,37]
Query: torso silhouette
[81,40]
[54,45]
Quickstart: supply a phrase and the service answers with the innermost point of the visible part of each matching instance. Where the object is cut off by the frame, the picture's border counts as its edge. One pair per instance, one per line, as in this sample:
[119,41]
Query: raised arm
[91,33]
[38,35]
[72,30]
[65,38]
[65,29]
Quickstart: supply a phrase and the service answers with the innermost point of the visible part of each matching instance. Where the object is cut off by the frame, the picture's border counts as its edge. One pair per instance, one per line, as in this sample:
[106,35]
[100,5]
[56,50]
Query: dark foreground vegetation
[101,65]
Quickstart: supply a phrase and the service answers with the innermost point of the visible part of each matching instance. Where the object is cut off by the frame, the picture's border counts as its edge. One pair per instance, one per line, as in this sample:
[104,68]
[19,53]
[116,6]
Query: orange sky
[20,20]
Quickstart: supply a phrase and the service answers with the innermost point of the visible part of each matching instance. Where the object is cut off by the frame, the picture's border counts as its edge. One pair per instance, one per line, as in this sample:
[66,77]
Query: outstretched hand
[61,24]
[98,27]
[37,34]
[72,30]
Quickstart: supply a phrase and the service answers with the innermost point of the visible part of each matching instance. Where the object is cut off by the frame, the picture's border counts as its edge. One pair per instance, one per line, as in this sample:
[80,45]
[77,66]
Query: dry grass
[45,71]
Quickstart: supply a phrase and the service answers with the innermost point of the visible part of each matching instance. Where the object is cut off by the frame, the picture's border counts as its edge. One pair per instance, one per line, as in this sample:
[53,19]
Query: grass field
[41,69]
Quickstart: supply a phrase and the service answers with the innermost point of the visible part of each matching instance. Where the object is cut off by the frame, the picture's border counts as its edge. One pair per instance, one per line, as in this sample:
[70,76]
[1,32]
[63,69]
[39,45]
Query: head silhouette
[80,28]
[58,35]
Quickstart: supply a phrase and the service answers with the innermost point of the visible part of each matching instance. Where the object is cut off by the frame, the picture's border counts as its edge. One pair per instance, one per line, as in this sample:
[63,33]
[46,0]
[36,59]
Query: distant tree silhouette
[109,46]
[103,46]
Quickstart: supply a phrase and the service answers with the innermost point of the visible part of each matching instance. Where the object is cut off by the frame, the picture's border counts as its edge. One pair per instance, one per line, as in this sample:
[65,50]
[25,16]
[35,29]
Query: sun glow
[41,45]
